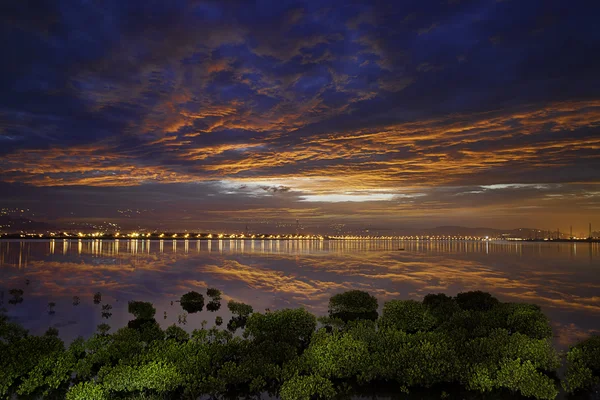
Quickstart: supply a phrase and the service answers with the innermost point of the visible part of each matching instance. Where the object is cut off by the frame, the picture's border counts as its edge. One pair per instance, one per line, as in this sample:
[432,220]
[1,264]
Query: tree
[176,333]
[141,309]
[441,305]
[240,313]
[86,391]
[521,376]
[353,305]
[192,302]
[149,329]
[97,297]
[503,348]
[583,366]
[239,309]
[408,315]
[476,301]
[294,327]
[213,306]
[213,293]
[527,319]
[155,376]
[337,356]
[307,388]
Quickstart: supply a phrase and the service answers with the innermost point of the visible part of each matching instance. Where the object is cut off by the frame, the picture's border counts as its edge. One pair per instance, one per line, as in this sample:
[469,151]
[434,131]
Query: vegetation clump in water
[440,342]
[192,302]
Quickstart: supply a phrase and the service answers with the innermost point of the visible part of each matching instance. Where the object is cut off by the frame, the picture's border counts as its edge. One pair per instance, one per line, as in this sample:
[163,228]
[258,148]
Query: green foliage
[420,359]
[176,333]
[486,349]
[153,376]
[52,372]
[337,355]
[307,388]
[149,329]
[527,319]
[583,366]
[219,320]
[213,293]
[192,302]
[88,390]
[353,305]
[407,315]
[239,309]
[213,305]
[521,376]
[294,327]
[21,356]
[500,344]
[331,324]
[480,379]
[441,305]
[102,350]
[141,309]
[240,313]
[476,301]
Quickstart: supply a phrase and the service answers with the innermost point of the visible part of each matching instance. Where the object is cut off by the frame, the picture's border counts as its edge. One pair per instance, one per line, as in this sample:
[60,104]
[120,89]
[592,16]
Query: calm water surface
[563,278]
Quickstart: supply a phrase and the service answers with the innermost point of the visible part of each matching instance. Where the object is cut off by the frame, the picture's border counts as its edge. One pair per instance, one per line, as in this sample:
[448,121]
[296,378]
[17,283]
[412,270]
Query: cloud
[375,101]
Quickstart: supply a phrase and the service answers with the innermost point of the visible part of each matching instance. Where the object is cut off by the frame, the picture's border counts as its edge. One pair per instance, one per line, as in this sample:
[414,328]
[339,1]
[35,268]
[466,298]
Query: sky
[216,114]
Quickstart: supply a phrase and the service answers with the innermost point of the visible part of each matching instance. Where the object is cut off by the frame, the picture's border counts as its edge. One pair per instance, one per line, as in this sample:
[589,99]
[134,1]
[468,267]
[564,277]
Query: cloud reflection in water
[278,274]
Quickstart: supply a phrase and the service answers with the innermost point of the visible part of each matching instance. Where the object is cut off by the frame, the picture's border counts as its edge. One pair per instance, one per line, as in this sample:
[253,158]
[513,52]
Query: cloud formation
[411,109]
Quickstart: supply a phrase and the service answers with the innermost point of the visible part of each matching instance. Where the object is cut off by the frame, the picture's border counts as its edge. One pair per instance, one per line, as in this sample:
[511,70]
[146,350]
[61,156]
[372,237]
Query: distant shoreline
[286,238]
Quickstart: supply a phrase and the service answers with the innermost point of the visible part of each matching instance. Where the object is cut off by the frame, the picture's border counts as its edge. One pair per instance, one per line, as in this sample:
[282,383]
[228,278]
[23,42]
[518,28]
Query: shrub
[583,366]
[519,376]
[149,329]
[337,356]
[294,327]
[239,309]
[527,319]
[87,391]
[307,388]
[476,301]
[407,315]
[176,333]
[141,309]
[213,305]
[192,302]
[353,305]
[155,376]
[213,293]
[441,305]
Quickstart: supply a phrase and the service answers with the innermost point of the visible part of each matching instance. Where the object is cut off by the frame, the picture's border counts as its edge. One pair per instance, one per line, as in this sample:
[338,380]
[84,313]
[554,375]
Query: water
[563,278]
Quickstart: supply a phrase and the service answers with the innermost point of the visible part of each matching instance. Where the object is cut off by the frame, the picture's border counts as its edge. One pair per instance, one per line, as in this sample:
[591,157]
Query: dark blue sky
[401,114]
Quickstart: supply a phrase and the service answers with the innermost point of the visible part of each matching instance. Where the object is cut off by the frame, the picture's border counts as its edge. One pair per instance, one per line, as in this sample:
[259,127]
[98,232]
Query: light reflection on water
[563,278]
